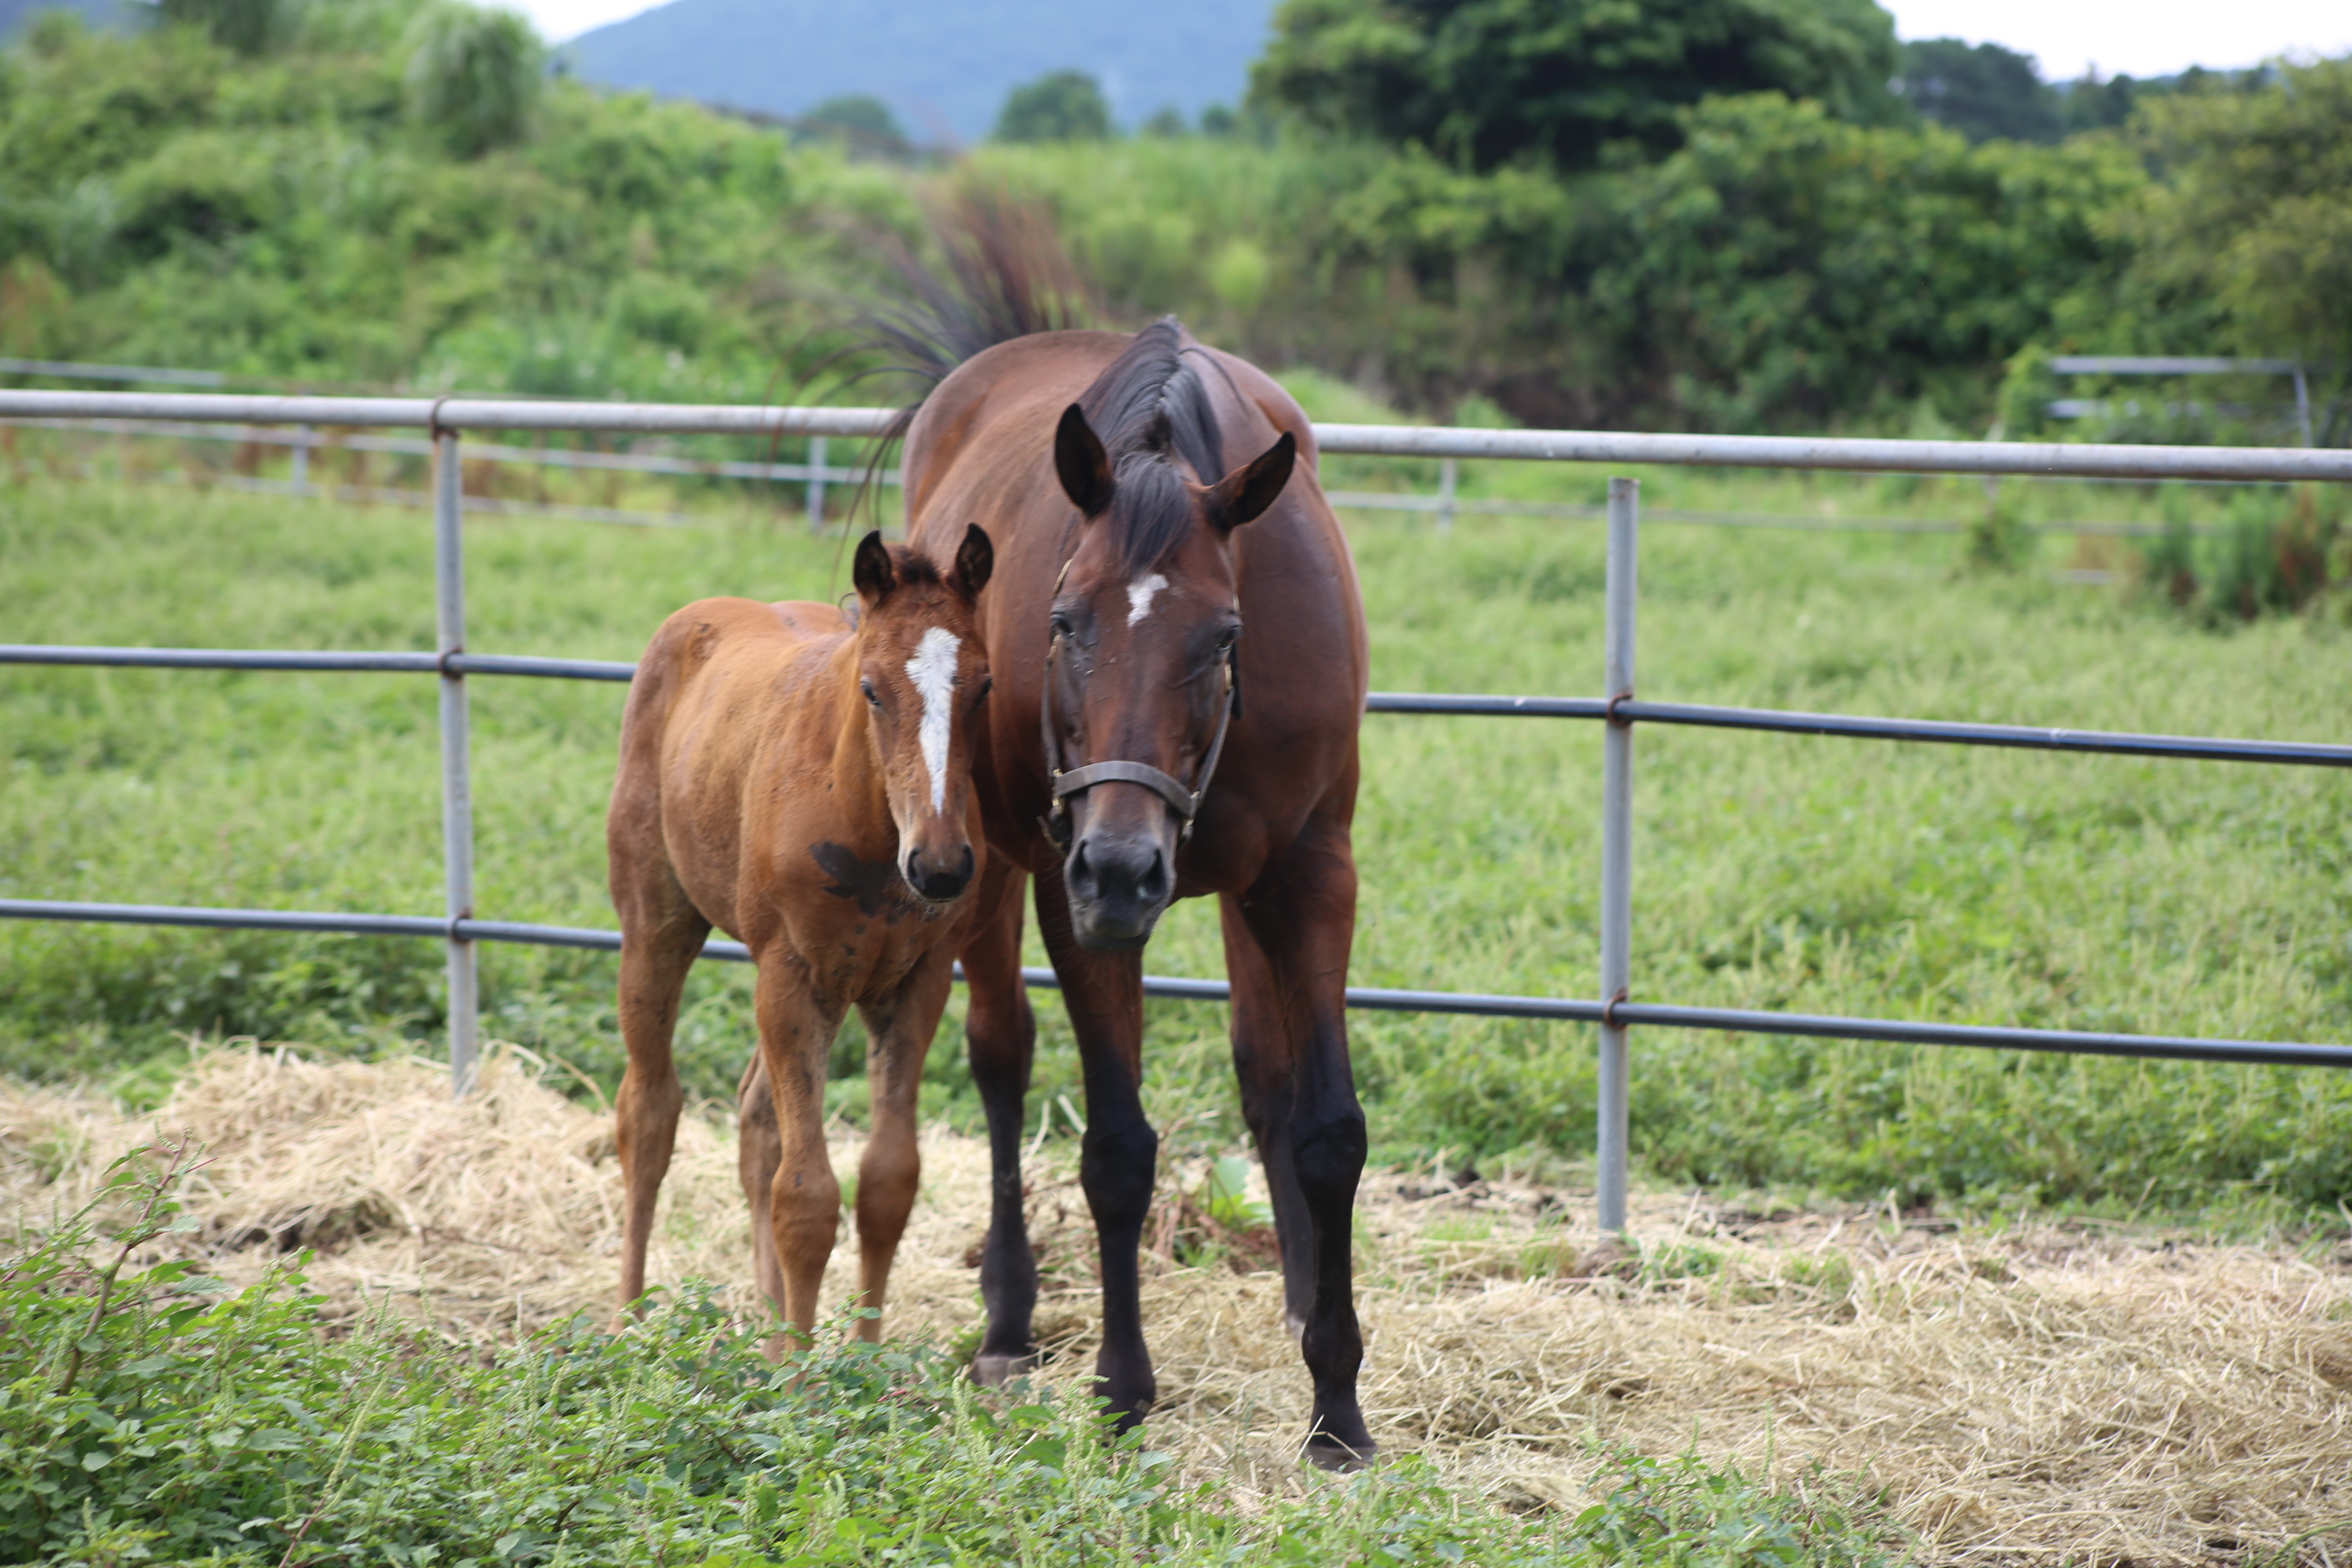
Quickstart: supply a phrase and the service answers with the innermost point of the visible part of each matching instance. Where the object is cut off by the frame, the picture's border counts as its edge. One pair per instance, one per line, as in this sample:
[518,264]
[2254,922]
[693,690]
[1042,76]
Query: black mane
[1151,411]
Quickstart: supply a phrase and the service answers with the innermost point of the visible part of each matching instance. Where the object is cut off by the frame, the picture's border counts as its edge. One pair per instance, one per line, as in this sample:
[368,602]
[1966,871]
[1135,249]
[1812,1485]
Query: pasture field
[1730,1388]
[1814,875]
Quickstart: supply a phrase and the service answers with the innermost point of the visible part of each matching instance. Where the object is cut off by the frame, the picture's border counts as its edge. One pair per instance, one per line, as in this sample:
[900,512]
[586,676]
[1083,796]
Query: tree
[860,118]
[1486,82]
[1066,106]
[2249,209]
[1983,91]
[474,76]
[244,26]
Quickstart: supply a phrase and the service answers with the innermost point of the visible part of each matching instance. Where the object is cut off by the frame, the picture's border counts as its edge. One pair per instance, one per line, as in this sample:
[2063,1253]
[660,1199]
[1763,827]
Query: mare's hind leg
[1303,915]
[899,1032]
[759,1150]
[1264,1063]
[1000,1033]
[1119,1155]
[661,935]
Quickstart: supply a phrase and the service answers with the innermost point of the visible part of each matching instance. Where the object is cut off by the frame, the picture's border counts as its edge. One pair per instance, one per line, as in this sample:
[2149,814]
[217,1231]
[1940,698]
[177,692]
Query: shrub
[474,76]
[1066,106]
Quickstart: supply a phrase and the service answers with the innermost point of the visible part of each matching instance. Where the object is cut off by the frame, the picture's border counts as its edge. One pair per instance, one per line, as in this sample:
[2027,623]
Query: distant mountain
[101,13]
[943,66]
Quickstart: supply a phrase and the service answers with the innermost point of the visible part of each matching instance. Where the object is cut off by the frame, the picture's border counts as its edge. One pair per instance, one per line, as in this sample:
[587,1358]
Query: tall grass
[1811,874]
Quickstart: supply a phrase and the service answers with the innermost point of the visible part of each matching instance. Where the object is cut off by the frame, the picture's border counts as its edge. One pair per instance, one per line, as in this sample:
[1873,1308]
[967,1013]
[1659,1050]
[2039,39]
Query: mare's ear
[1251,488]
[1083,465]
[872,570]
[976,563]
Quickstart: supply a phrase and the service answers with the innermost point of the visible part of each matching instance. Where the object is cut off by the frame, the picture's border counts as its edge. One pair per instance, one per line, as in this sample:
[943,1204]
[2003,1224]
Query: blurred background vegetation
[1730,215]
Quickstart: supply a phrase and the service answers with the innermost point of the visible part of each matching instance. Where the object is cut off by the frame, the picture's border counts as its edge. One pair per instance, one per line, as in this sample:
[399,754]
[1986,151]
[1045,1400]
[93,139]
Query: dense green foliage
[376,198]
[148,1414]
[1485,82]
[474,76]
[1981,90]
[1818,876]
[1062,106]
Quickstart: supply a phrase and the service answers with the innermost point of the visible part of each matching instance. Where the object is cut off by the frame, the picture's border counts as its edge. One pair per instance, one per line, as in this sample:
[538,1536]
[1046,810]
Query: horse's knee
[1117,1165]
[1328,1146]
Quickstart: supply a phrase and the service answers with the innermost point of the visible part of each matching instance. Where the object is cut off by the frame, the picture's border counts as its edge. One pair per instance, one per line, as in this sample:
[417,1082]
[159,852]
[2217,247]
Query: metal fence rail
[1615,1012]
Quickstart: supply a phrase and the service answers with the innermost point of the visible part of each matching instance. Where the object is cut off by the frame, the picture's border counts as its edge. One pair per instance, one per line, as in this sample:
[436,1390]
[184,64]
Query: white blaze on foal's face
[933,672]
[1139,594]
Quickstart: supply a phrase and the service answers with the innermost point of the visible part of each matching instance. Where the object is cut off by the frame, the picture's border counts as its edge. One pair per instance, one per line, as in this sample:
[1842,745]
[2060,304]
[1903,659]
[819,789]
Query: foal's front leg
[899,1032]
[796,1034]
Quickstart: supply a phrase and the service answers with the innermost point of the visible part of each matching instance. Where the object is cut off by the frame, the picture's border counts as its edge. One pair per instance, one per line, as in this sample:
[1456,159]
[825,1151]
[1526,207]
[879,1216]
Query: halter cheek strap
[1185,803]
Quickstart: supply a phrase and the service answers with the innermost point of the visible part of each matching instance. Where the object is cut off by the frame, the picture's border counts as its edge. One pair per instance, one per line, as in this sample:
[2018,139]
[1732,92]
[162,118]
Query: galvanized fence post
[456,780]
[816,484]
[1617,852]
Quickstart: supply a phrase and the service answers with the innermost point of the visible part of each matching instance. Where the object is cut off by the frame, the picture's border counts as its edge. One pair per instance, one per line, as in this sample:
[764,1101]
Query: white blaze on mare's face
[1139,594]
[933,670]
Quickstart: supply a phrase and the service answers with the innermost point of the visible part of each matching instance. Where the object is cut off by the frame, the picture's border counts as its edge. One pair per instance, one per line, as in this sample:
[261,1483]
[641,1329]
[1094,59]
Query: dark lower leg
[1120,1152]
[1264,1068]
[1001,1034]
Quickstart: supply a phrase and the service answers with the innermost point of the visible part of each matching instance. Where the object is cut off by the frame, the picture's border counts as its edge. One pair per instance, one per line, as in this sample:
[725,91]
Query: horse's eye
[986,686]
[872,696]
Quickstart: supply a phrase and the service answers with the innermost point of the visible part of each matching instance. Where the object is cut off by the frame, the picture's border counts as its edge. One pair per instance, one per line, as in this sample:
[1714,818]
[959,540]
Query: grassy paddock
[1821,875]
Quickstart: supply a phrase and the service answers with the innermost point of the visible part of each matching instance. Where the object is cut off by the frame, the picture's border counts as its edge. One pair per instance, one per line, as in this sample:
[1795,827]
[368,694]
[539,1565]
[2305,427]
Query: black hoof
[1328,1453]
[994,1369]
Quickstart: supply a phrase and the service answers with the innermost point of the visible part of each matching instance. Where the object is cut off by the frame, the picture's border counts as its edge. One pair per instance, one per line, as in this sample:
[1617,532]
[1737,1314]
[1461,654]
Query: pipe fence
[461,929]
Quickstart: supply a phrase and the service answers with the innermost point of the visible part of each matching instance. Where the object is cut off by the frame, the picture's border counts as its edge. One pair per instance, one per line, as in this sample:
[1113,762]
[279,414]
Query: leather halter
[1185,803]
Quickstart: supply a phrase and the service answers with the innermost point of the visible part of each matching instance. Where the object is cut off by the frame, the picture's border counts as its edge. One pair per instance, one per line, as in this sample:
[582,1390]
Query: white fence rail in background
[1614,1010]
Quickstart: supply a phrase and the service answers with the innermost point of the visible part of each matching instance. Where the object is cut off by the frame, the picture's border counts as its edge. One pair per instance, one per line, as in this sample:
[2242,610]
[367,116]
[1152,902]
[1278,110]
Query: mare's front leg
[899,1030]
[796,1034]
[1119,1155]
[1001,1034]
[1302,916]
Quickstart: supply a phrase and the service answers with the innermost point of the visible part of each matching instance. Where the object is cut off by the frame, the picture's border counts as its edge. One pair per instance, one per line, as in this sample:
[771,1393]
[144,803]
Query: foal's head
[1140,683]
[922,673]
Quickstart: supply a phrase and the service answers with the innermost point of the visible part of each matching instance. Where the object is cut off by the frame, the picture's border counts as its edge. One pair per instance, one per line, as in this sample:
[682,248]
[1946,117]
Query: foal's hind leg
[899,1030]
[660,939]
[759,1150]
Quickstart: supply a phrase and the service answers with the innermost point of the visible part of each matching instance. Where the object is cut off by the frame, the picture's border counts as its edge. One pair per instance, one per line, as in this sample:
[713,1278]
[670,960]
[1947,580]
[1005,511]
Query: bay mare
[801,779]
[1172,594]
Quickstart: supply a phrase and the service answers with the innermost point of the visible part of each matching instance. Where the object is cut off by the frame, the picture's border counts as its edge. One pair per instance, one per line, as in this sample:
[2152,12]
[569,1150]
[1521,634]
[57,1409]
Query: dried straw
[2035,1395]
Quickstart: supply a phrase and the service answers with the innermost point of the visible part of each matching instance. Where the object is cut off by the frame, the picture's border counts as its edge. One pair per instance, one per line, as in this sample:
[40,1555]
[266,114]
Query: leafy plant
[474,75]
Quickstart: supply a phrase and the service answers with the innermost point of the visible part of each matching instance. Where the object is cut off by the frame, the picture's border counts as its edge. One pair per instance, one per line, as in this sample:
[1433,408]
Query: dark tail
[1002,274]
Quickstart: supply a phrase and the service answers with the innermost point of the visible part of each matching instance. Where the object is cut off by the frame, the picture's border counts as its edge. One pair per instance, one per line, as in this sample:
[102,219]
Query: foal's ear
[1253,487]
[1083,465]
[872,570]
[976,563]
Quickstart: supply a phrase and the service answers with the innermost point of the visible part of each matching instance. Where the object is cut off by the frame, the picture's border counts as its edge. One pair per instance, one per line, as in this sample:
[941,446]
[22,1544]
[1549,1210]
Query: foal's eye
[872,696]
[986,686]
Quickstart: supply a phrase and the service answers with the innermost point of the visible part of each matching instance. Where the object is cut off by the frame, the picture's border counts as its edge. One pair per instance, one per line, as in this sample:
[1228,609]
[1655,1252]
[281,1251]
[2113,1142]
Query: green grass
[1807,874]
[153,1414]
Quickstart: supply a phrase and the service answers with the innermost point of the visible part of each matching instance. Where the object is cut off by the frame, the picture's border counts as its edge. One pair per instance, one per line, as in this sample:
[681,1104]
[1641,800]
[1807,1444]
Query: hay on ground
[2038,1395]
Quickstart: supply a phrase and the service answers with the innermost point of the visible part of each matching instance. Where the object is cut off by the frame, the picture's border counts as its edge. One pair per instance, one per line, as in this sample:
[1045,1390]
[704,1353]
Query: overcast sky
[2143,37]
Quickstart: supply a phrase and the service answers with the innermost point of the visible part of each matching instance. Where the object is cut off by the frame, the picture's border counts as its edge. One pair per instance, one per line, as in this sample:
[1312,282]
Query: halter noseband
[1184,803]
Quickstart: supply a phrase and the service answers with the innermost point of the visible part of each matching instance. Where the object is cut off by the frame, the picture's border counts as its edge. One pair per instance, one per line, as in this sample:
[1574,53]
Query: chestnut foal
[801,779]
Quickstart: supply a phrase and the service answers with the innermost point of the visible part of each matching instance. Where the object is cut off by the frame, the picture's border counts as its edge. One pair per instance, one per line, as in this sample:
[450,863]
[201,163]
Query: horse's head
[1140,679]
[922,673]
